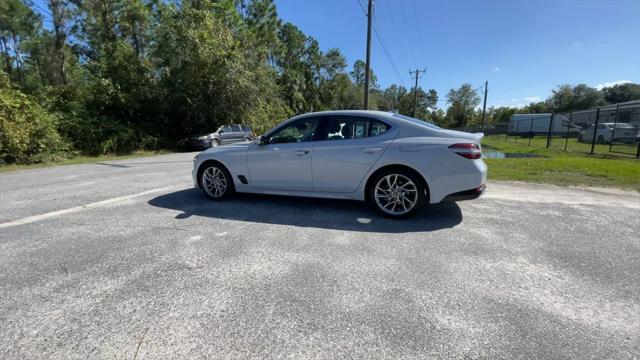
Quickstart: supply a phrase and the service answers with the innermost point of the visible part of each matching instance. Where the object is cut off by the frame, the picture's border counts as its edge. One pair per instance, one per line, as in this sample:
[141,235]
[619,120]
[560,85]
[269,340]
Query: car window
[418,122]
[353,127]
[602,127]
[235,128]
[226,129]
[245,128]
[298,131]
[377,127]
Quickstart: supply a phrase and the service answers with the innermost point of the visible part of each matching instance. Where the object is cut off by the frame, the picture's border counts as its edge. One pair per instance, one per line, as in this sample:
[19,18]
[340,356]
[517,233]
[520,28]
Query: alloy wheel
[396,194]
[214,182]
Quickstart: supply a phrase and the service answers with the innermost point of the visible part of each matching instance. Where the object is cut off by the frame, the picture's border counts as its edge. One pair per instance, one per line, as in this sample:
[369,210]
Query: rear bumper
[466,195]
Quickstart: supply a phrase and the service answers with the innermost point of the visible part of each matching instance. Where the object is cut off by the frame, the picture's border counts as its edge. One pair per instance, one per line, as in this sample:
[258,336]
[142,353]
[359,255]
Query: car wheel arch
[372,176]
[212,162]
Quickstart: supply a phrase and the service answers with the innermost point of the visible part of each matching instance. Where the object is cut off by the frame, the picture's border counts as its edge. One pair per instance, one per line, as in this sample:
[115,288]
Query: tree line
[110,76]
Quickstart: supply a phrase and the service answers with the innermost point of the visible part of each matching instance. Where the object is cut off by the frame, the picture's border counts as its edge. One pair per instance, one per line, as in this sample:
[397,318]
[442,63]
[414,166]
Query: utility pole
[367,69]
[415,88]
[484,106]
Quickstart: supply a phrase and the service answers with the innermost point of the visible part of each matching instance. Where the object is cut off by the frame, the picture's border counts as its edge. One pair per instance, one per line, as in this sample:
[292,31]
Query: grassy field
[81,159]
[573,167]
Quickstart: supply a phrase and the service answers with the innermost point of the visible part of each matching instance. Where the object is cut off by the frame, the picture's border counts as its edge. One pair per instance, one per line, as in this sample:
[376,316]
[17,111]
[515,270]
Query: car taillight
[467,150]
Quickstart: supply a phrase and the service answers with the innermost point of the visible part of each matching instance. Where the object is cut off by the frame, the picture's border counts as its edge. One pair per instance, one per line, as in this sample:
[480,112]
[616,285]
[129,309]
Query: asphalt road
[124,260]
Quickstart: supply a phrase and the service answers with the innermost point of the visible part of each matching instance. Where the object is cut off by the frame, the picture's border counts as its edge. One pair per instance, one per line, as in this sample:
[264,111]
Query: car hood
[240,146]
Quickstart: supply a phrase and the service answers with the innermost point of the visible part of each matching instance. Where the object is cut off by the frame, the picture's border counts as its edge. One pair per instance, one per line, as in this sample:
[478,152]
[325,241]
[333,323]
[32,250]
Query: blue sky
[524,48]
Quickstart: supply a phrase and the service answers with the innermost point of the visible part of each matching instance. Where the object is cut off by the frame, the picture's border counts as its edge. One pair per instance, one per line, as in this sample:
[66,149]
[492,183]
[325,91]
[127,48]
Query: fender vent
[243,179]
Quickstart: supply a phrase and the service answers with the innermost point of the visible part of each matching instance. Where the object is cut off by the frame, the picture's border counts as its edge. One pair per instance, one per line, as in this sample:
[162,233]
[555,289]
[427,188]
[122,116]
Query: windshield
[417,121]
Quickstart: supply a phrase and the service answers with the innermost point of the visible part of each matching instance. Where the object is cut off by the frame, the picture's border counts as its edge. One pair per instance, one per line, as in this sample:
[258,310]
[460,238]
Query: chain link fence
[606,129]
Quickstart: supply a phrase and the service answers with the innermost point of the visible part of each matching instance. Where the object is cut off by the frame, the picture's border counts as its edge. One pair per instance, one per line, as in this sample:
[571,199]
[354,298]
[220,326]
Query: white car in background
[396,163]
[607,133]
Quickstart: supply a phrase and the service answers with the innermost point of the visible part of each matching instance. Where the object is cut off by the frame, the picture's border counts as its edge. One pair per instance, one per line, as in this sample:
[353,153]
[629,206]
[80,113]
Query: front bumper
[199,144]
[194,177]
[466,195]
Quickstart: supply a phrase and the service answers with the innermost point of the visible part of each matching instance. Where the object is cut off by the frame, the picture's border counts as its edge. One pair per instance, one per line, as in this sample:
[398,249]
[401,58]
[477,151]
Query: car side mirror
[261,140]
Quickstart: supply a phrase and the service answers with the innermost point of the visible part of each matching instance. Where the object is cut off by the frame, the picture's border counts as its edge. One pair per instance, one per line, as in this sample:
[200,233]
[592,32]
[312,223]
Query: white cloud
[532,99]
[514,100]
[611,83]
[496,69]
[517,105]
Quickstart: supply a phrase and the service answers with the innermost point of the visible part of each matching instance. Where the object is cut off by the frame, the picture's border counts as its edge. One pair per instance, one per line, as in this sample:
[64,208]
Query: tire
[215,143]
[246,138]
[600,139]
[402,186]
[580,138]
[216,181]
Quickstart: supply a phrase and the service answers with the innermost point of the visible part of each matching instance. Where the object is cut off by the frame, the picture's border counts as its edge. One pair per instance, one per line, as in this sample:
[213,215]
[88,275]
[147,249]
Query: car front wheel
[215,143]
[397,193]
[216,181]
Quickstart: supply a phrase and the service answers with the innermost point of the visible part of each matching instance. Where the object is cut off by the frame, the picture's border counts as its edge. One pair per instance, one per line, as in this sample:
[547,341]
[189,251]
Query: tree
[263,24]
[462,103]
[567,98]
[17,23]
[358,72]
[621,93]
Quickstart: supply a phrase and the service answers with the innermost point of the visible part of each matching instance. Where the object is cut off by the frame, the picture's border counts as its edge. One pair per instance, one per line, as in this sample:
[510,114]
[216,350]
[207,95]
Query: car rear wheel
[397,193]
[580,138]
[215,143]
[216,181]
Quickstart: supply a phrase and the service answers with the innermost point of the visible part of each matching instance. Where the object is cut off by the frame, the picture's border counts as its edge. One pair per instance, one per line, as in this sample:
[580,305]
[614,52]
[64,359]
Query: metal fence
[607,129]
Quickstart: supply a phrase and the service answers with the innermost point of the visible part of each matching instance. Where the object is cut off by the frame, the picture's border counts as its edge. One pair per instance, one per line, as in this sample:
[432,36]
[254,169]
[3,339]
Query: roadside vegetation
[82,159]
[555,166]
[115,76]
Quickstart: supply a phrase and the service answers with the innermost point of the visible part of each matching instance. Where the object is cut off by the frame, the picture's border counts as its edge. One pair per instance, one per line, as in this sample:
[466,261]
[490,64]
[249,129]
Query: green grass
[82,159]
[573,167]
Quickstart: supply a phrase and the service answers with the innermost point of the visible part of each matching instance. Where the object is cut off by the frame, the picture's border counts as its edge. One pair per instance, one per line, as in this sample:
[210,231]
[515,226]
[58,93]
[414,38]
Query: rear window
[418,122]
[346,127]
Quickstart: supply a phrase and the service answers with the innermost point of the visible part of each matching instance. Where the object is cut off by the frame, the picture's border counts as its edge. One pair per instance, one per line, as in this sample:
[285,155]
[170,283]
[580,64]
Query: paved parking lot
[124,259]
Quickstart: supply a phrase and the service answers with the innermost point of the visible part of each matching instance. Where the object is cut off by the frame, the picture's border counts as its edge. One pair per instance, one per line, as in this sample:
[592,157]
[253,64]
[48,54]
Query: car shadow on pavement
[307,212]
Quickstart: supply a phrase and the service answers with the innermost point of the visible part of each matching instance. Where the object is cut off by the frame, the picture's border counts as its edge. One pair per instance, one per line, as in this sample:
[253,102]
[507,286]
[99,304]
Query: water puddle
[503,155]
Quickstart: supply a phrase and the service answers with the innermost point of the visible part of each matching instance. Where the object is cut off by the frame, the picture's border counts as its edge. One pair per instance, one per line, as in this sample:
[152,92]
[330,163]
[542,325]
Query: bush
[27,131]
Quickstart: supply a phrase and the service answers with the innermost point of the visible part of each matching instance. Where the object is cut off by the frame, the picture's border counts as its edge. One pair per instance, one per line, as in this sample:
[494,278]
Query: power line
[394,36]
[388,55]
[44,11]
[415,12]
[384,47]
[362,7]
[406,27]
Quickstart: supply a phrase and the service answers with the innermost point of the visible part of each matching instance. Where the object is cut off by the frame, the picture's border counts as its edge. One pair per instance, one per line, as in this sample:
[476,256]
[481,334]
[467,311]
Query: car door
[225,134]
[236,133]
[350,147]
[283,162]
[603,133]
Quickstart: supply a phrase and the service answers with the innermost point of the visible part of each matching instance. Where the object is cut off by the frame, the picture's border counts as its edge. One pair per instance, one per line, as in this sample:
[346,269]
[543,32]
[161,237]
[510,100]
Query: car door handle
[302,152]
[371,150]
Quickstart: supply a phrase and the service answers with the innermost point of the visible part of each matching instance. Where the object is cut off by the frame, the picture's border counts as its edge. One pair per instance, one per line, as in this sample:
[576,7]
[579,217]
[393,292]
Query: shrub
[27,131]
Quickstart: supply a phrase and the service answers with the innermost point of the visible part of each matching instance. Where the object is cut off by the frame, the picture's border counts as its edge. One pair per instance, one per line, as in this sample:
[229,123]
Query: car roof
[371,113]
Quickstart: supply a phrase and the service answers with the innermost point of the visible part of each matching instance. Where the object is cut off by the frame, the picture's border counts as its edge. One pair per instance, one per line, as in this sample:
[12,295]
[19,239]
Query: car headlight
[195,158]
